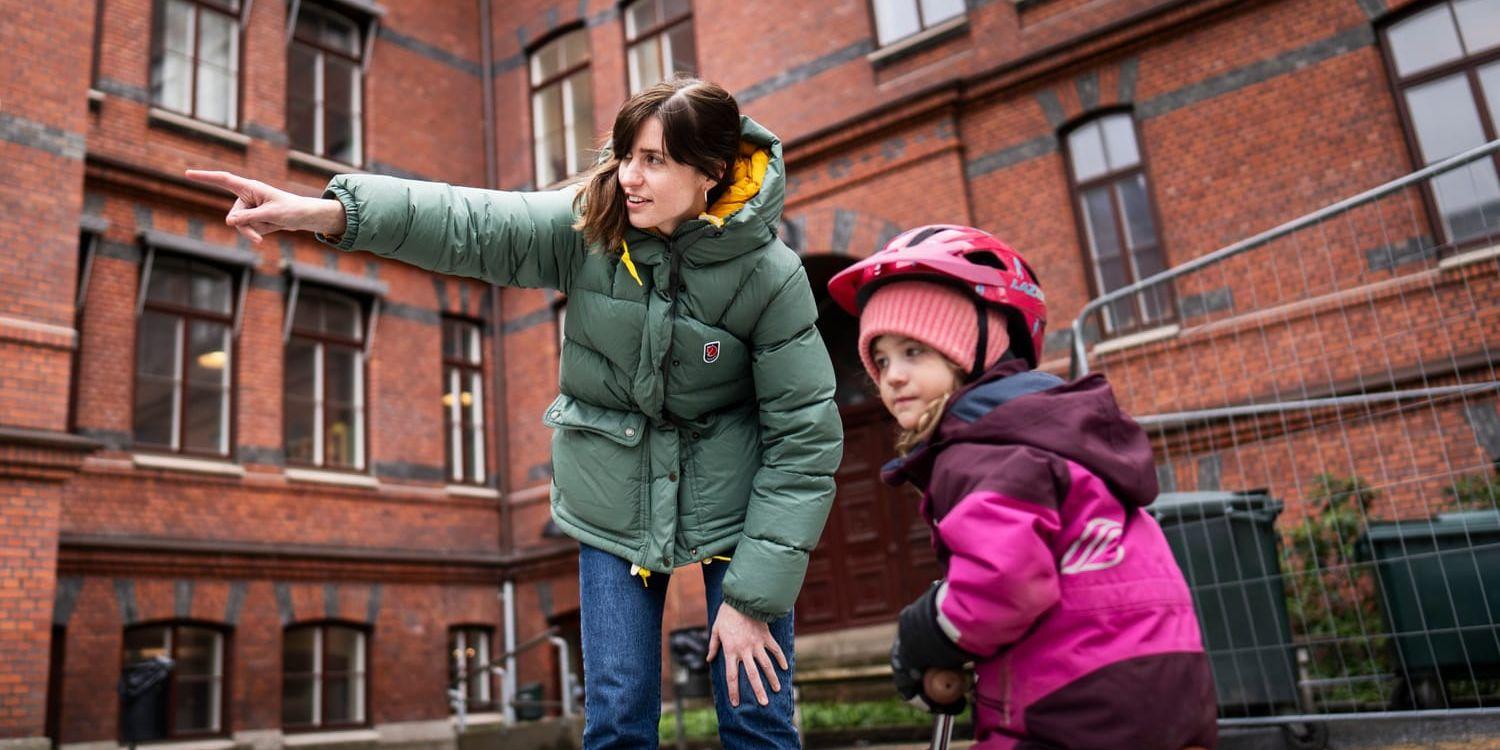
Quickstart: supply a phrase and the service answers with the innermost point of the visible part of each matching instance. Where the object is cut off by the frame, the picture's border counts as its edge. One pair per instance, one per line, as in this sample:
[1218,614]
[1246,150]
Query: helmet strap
[983,343]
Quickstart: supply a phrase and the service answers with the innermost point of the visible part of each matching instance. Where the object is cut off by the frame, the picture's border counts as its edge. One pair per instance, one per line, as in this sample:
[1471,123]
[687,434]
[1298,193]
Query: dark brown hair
[700,123]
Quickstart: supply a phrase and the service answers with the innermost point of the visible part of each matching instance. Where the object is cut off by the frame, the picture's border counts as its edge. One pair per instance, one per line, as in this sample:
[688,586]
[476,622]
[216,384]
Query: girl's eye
[880,364]
[914,351]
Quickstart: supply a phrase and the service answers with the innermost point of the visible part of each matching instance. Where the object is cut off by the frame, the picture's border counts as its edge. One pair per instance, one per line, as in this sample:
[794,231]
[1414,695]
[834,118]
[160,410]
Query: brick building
[311,478]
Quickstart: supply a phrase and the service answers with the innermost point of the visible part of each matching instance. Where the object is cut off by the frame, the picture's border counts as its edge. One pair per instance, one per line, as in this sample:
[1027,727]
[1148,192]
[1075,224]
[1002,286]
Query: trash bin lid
[1458,523]
[1188,506]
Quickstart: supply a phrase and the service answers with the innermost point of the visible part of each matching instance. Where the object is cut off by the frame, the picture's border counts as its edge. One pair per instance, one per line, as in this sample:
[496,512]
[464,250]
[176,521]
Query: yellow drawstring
[637,570]
[710,560]
[630,266]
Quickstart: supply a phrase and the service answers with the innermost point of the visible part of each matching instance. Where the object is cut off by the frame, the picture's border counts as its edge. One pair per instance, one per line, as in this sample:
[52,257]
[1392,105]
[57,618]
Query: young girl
[696,421]
[1058,586]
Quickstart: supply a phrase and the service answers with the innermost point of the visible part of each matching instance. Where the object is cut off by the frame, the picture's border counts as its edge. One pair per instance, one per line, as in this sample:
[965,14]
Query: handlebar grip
[944,685]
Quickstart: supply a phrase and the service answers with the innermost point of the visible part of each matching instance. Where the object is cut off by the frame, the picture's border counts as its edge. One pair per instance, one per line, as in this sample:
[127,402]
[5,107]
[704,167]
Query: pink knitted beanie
[935,314]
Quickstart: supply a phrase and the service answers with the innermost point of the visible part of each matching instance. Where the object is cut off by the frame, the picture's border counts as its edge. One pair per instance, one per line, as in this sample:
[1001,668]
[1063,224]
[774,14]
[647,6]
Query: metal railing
[1342,366]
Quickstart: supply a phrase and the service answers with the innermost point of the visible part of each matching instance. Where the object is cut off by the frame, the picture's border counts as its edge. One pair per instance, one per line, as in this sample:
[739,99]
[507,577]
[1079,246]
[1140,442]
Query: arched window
[189,702]
[324,676]
[1117,220]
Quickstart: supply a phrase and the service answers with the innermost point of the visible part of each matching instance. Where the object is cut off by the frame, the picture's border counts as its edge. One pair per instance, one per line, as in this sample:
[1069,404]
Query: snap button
[695,552]
[675,363]
[629,432]
[672,477]
[695,435]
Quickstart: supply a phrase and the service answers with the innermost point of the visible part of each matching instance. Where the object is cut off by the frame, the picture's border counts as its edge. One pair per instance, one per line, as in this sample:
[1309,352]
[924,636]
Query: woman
[696,422]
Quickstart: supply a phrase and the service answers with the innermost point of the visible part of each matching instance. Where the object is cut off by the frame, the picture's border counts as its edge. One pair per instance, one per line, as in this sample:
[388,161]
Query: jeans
[622,654]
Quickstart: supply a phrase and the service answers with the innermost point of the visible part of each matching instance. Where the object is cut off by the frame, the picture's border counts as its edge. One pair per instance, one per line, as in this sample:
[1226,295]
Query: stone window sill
[319,476]
[470,490]
[1137,339]
[1470,257]
[183,463]
[331,739]
[159,116]
[919,41]
[317,163]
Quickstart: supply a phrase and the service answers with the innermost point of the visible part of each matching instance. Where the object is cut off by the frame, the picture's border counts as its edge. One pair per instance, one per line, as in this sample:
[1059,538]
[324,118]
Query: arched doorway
[875,554]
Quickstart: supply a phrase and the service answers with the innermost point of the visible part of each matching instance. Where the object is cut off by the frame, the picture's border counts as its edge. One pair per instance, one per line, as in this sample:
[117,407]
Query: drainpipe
[508,680]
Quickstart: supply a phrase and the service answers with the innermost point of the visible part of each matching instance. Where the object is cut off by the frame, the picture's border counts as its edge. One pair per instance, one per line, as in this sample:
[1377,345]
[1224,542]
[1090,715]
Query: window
[183,356]
[463,400]
[190,702]
[1117,219]
[195,59]
[1445,61]
[660,35]
[562,106]
[898,19]
[323,681]
[469,665]
[325,82]
[325,380]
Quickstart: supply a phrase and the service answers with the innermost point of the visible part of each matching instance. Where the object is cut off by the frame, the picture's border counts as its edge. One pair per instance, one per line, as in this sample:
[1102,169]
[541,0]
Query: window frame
[470,434]
[1469,66]
[661,29]
[225,676]
[1111,178]
[320,681]
[233,10]
[492,702]
[186,315]
[320,117]
[922,24]
[560,78]
[360,347]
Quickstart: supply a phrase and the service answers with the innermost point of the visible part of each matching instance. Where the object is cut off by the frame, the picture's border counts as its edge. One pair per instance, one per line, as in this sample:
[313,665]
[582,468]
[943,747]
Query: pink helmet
[972,259]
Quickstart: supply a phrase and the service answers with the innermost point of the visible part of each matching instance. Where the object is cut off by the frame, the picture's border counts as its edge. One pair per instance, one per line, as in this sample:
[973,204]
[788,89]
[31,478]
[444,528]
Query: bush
[1331,598]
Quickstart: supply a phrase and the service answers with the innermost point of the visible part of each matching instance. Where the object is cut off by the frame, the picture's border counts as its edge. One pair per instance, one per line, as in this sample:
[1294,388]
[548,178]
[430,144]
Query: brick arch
[836,231]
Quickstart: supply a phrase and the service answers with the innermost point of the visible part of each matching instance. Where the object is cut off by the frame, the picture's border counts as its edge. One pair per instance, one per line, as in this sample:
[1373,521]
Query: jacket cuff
[351,217]
[923,642]
[744,608]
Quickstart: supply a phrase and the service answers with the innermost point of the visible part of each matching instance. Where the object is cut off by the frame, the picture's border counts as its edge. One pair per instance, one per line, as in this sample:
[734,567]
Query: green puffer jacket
[696,416]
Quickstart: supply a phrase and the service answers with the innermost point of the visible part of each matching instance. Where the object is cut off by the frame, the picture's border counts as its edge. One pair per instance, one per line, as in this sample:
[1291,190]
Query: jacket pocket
[722,460]
[598,465]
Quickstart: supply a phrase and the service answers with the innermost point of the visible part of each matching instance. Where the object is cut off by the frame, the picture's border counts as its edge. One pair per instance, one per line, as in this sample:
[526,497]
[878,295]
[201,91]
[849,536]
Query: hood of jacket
[1013,405]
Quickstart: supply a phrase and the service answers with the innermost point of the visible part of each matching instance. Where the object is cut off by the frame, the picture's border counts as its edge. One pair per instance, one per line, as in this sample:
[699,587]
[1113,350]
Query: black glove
[921,645]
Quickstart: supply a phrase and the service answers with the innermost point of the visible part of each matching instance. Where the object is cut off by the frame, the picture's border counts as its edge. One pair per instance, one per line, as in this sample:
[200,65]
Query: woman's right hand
[260,209]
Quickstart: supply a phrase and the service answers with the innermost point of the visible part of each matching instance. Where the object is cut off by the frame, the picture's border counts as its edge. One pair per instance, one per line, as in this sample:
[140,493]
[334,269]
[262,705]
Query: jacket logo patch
[711,352]
[1097,548]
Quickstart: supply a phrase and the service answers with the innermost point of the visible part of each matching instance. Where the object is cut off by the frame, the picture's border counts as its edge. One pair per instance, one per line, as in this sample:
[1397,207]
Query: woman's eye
[653,160]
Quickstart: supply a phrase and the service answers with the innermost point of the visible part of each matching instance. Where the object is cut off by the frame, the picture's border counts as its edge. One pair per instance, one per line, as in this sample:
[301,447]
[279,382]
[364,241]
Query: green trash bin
[1228,548]
[1440,594]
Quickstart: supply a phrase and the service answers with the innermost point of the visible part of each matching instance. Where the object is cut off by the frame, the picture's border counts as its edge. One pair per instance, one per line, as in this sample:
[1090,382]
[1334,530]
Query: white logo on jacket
[1097,548]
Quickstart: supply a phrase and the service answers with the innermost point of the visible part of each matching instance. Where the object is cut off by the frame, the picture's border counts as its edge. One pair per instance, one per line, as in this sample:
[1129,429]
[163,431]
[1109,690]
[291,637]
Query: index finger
[226,180]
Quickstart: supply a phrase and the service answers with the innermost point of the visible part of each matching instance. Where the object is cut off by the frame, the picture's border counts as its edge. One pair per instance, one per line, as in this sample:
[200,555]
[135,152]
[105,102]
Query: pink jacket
[1056,578]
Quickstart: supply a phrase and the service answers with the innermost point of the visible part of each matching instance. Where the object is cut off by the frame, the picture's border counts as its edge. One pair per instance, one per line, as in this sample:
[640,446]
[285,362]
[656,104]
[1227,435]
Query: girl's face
[911,377]
[660,192]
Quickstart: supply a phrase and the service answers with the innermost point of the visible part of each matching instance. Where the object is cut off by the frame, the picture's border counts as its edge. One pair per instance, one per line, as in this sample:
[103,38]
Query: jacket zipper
[672,285]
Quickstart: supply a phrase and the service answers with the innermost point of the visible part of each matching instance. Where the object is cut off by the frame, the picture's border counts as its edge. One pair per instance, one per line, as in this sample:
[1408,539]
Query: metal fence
[1322,402]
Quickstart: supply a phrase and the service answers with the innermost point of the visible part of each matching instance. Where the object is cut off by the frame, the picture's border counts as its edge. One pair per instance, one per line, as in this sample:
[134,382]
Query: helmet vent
[983,258]
[922,236]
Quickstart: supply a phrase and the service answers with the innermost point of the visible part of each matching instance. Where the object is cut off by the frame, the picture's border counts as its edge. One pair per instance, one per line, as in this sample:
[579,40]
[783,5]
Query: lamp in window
[214,360]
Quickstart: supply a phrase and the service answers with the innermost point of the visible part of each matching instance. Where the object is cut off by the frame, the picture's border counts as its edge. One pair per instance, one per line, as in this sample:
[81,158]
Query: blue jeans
[622,653]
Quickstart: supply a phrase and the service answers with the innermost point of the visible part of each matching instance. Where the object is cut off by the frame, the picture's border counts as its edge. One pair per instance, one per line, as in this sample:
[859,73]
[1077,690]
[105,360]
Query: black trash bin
[1440,594]
[689,647]
[143,698]
[528,702]
[1229,550]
